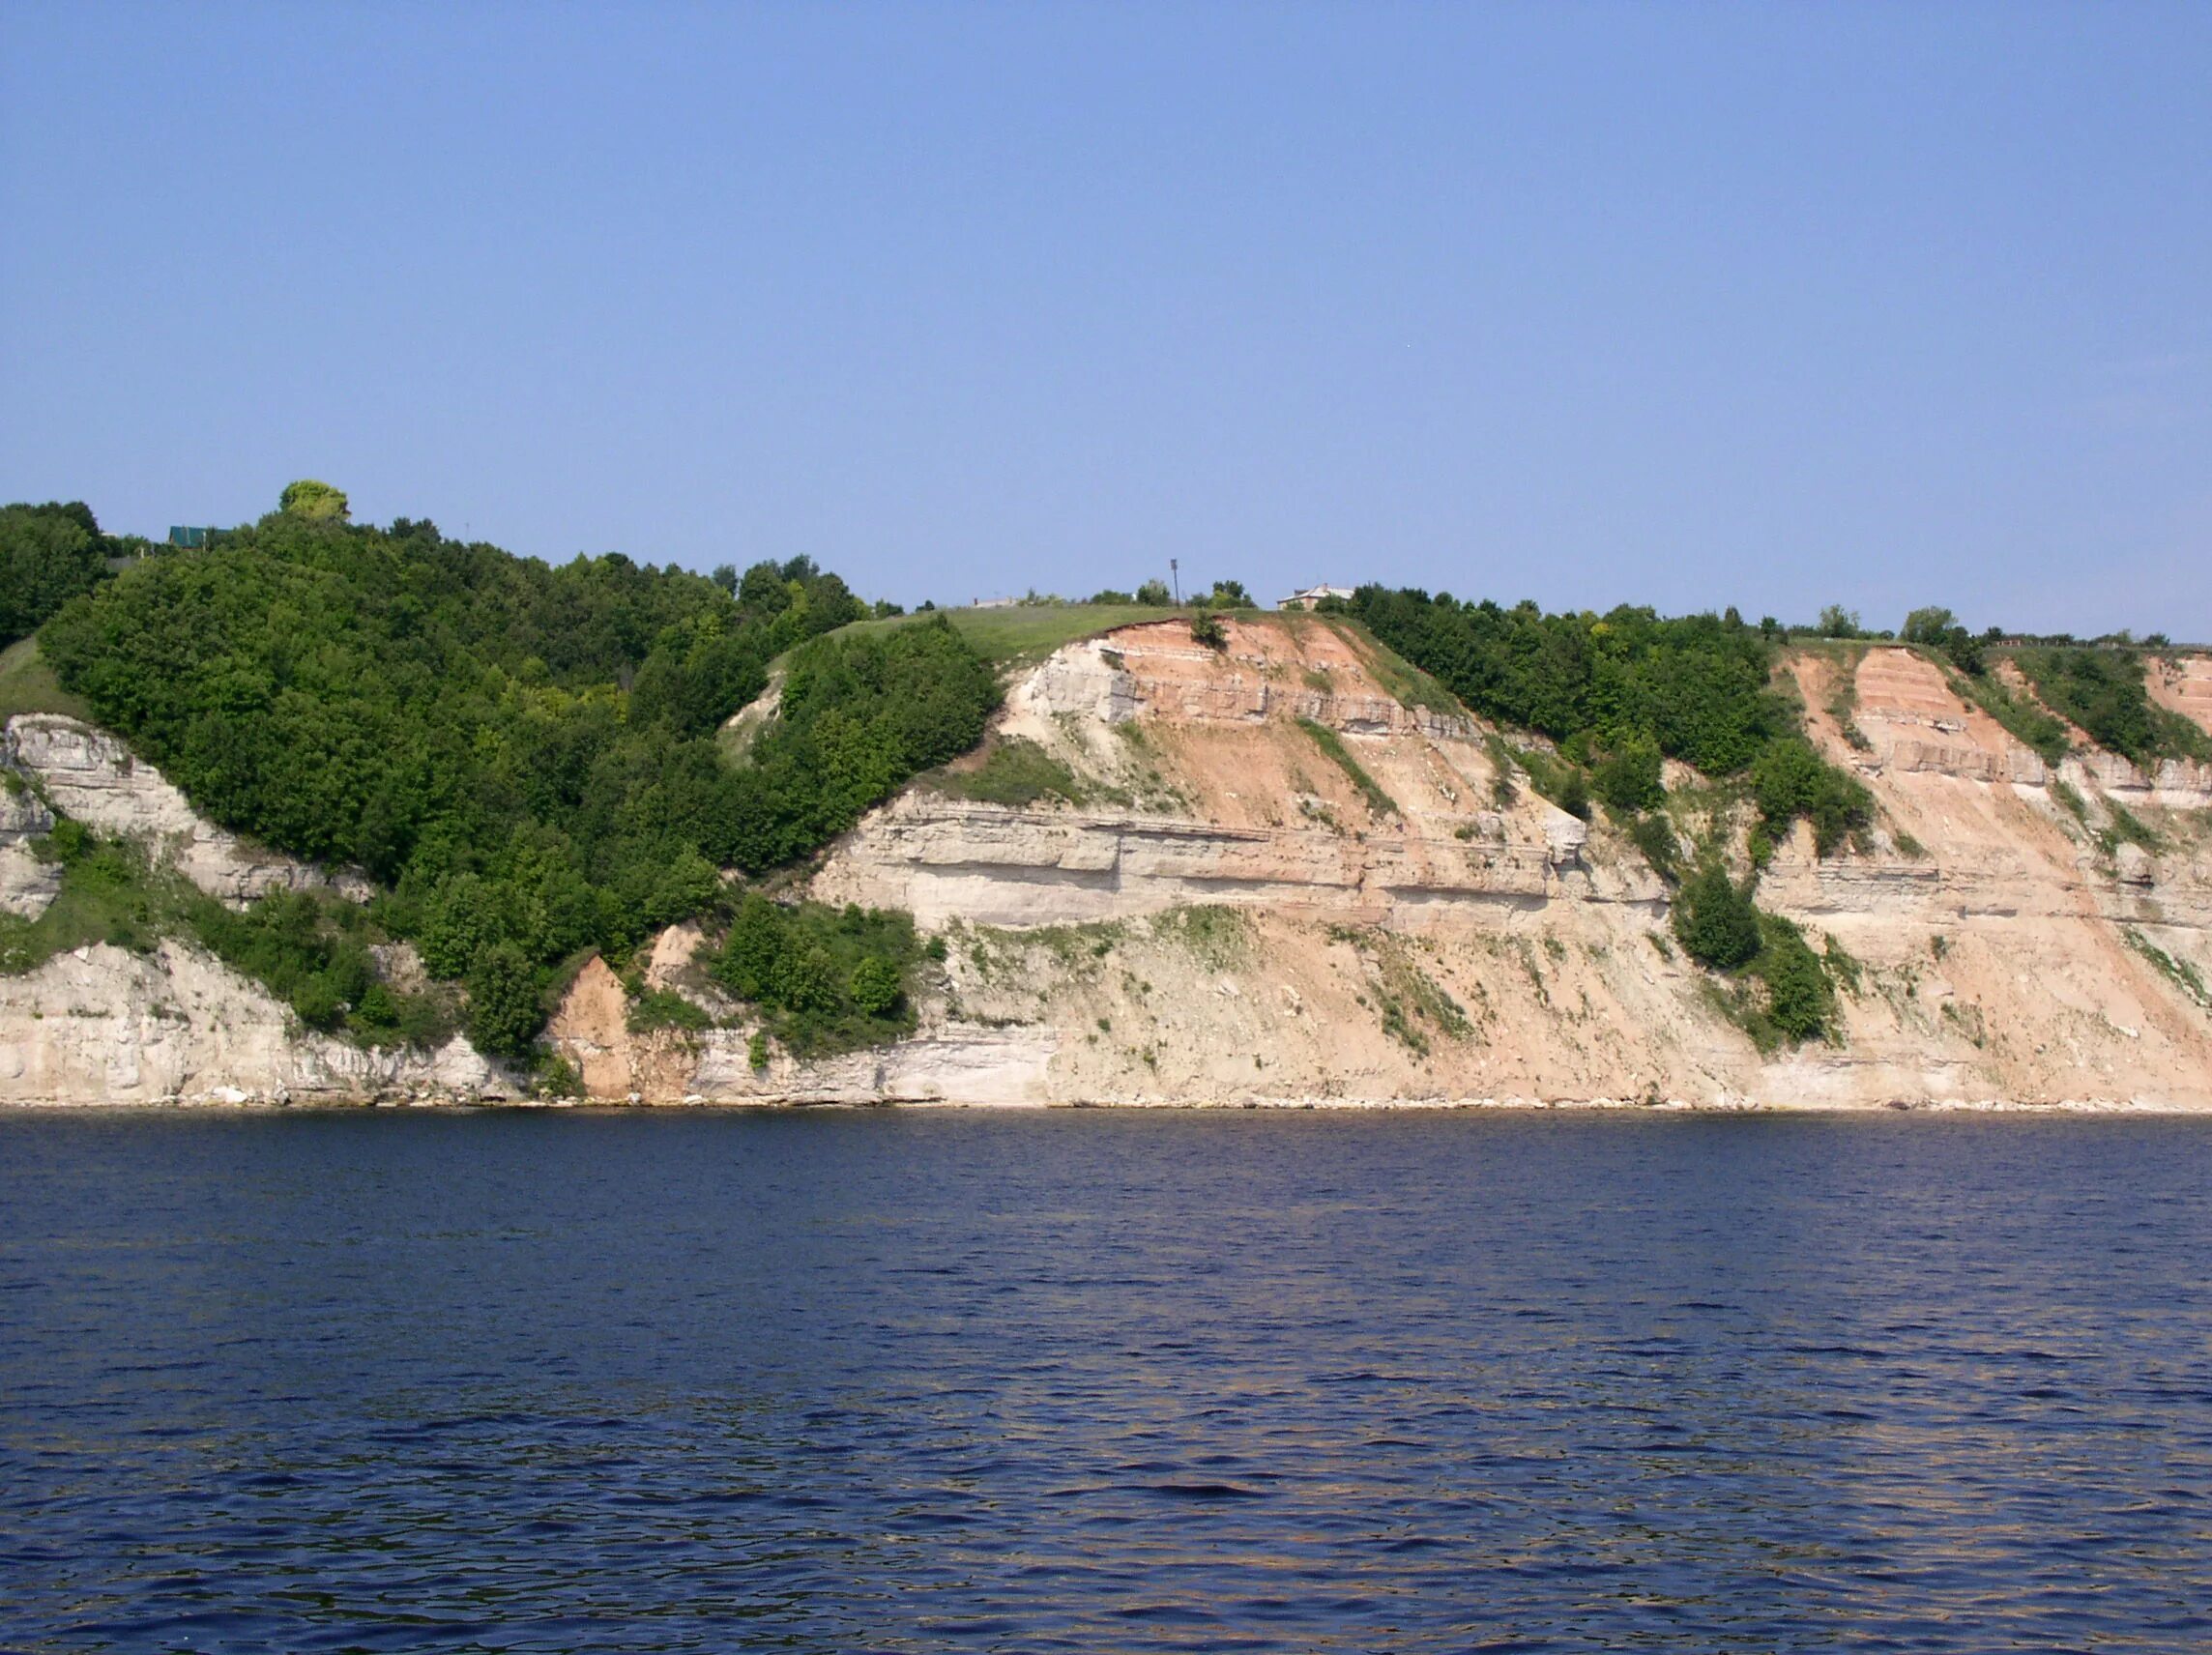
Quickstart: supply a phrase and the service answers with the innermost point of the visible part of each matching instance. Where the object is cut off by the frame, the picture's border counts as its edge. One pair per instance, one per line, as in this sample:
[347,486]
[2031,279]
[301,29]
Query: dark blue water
[1104,1381]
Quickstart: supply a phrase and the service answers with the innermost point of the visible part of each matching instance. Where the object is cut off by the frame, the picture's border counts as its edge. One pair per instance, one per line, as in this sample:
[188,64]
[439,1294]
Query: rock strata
[92,777]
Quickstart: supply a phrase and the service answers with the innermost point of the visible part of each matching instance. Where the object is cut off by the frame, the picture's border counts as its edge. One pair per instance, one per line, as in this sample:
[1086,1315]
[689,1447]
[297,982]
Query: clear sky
[1693,305]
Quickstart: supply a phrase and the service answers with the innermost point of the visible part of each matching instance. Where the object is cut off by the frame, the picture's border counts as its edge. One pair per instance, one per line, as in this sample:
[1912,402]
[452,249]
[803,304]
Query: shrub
[505,1001]
[1715,920]
[1790,780]
[825,979]
[1331,744]
[1630,778]
[1654,836]
[875,987]
[1800,997]
[1573,794]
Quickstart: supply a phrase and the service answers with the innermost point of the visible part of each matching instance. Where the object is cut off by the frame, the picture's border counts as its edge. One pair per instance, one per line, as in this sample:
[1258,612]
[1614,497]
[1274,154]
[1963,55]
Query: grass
[1023,634]
[1844,701]
[665,1009]
[1407,683]
[2029,723]
[108,894]
[1015,773]
[2127,829]
[1408,1002]
[2180,972]
[27,685]
[1215,936]
[1331,744]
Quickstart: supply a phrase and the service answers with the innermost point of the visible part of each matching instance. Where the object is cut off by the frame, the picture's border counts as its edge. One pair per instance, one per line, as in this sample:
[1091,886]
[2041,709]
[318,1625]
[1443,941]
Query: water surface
[1102,1381]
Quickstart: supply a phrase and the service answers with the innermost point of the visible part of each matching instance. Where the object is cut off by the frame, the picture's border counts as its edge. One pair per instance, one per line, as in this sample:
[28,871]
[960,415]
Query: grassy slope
[1024,634]
[27,685]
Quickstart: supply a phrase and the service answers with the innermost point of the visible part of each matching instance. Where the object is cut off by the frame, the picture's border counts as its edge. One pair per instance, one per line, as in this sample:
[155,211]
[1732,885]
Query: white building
[1313,594]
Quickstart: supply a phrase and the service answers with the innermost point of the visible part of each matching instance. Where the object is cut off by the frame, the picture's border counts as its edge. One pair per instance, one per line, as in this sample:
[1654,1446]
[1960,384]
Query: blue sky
[1689,305]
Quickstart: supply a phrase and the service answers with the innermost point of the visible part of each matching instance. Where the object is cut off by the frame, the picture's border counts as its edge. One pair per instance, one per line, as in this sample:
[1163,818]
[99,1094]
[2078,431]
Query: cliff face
[100,1025]
[1208,904]
[1223,913]
[92,777]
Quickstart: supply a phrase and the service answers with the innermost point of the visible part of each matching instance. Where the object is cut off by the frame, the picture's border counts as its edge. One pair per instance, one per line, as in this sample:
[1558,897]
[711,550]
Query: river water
[1104,1381]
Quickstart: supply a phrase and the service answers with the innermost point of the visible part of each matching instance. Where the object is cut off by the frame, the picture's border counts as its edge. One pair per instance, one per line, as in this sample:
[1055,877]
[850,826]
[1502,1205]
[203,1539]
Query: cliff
[1289,871]
[171,1024]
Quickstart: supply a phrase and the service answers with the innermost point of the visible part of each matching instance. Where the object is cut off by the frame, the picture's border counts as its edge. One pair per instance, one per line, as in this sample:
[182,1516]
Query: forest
[522,756]
[1617,690]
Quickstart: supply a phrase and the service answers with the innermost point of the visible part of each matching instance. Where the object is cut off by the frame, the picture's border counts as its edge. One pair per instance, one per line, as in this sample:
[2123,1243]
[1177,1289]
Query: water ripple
[1143,1383]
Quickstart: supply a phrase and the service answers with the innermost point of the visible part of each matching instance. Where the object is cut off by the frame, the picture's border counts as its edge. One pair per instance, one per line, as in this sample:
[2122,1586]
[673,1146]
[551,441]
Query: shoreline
[210,1104]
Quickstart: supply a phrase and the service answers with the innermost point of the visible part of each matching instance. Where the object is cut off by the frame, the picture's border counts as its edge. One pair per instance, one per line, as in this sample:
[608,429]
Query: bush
[1654,836]
[1800,997]
[505,1001]
[1716,921]
[1790,780]
[825,979]
[1630,778]
[1205,629]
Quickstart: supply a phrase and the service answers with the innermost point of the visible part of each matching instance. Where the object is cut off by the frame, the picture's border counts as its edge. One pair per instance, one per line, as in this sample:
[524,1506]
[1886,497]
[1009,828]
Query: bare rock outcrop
[28,885]
[103,1026]
[91,776]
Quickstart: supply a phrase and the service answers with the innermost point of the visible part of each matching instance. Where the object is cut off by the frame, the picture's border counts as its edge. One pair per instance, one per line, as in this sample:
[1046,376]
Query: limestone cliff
[100,1025]
[1286,871]
[1215,911]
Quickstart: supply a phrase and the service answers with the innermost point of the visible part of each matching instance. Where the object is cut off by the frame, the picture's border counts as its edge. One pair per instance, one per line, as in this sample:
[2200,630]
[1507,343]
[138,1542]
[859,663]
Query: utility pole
[1176,575]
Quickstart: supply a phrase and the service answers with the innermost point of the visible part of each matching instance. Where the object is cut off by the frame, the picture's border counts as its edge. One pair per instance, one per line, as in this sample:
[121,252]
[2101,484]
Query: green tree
[1801,1000]
[523,754]
[1929,625]
[1791,780]
[876,988]
[1715,920]
[1155,594]
[314,502]
[1629,779]
[506,1006]
[48,555]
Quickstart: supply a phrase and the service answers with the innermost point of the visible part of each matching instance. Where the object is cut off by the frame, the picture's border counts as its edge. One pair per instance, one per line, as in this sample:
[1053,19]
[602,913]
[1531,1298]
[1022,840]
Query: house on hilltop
[1311,597]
